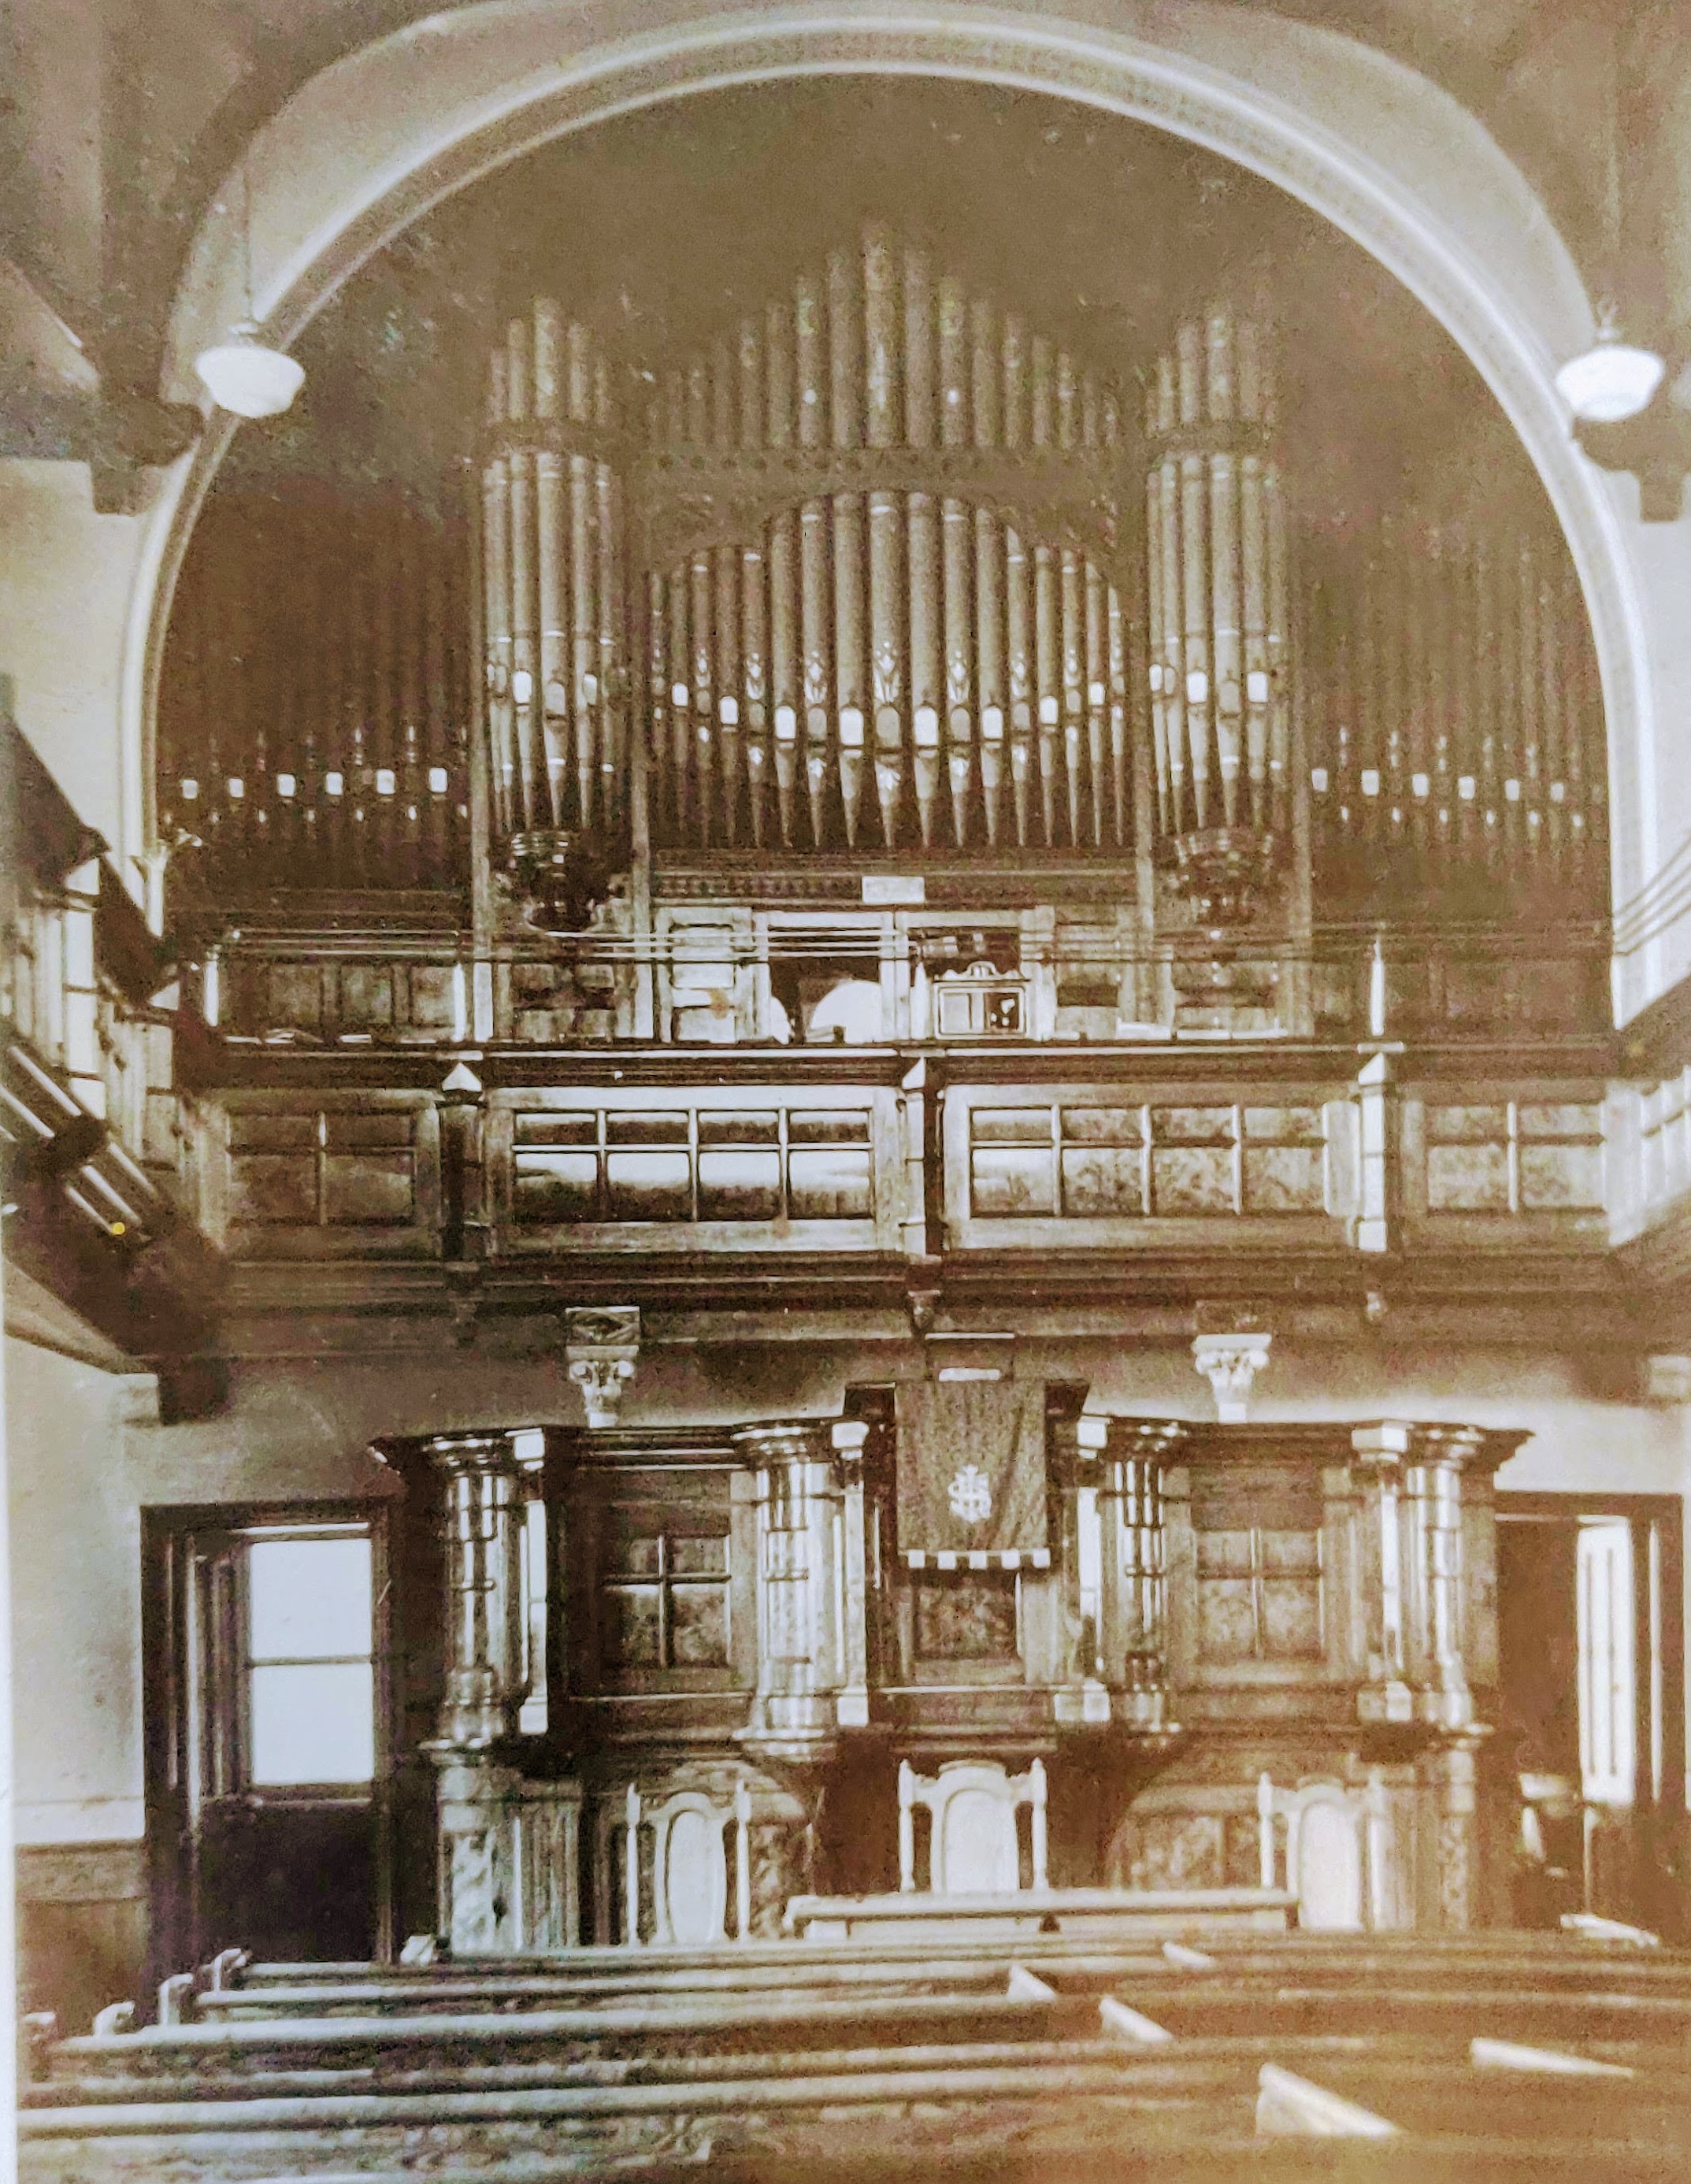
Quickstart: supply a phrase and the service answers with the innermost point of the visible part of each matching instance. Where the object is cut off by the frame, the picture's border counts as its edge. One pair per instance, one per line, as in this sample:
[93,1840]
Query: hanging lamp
[1615,379]
[242,374]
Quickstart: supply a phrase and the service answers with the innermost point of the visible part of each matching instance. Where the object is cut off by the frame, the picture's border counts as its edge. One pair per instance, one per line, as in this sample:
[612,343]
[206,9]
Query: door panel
[269,1807]
[1593,1703]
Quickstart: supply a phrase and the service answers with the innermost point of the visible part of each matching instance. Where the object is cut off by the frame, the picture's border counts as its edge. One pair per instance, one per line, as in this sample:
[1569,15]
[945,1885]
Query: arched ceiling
[660,227]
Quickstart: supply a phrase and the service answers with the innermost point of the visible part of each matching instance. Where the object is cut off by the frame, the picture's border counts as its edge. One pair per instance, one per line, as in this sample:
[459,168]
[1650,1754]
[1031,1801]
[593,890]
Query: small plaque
[890,890]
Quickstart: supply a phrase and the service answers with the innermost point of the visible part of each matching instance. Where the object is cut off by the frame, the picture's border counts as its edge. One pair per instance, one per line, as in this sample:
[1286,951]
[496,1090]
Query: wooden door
[268,1790]
[1592,1652]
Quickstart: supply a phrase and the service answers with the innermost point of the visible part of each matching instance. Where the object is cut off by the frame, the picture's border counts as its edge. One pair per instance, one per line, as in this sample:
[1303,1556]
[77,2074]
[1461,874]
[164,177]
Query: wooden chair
[1328,1842]
[974,1843]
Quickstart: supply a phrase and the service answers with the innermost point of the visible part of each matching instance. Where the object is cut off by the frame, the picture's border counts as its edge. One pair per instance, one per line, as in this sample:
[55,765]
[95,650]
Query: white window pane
[314,1723]
[308,1598]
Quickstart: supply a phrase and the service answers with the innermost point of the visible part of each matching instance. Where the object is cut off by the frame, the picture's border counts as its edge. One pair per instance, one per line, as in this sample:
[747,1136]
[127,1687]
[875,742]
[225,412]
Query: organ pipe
[334,763]
[1456,722]
[553,610]
[913,632]
[1216,583]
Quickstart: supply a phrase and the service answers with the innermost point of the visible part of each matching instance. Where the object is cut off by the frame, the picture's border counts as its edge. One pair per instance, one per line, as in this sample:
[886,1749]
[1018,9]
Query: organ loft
[881,1181]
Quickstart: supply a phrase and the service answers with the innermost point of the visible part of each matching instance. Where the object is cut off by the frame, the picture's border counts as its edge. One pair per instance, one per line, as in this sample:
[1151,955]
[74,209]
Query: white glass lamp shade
[1612,382]
[248,379]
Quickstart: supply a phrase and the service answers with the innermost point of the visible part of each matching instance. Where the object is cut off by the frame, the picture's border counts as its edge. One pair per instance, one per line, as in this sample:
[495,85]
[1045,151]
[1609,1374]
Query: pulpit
[973,1656]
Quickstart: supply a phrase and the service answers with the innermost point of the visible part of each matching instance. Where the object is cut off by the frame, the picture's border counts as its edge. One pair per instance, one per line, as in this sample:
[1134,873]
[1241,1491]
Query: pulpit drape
[972,1475]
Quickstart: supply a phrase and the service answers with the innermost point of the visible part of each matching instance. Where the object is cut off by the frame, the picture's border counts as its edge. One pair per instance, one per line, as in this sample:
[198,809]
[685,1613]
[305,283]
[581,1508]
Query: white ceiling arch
[366,147]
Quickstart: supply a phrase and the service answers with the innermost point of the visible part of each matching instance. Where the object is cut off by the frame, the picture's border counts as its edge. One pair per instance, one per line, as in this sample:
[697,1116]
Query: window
[311,1681]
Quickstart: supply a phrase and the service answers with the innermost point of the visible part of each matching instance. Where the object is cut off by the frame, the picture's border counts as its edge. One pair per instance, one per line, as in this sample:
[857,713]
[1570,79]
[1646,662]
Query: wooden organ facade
[876,817]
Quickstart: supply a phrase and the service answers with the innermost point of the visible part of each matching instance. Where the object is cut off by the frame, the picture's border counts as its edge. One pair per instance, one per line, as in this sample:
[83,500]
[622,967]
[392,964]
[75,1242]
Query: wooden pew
[1369,2027]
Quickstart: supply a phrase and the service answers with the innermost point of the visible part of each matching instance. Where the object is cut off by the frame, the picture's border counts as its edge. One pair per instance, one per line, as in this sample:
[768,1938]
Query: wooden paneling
[332,1178]
[699,1169]
[1082,1166]
[1505,1166]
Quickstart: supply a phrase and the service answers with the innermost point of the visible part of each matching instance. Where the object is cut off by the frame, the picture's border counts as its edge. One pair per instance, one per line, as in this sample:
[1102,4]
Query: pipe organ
[1455,721]
[866,578]
[917,636]
[1216,585]
[552,572]
[314,722]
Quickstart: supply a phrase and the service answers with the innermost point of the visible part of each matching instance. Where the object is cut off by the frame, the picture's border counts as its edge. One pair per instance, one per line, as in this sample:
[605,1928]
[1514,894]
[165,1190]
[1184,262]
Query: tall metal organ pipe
[1455,724]
[553,552]
[1216,582]
[885,642]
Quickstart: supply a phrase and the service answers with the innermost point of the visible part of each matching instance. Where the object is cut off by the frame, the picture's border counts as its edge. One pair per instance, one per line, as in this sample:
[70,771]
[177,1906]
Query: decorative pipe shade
[1612,381]
[248,379]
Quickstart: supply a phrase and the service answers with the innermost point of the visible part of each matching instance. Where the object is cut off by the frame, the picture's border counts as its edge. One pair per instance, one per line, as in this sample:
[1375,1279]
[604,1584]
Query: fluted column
[1384,1695]
[1135,1568]
[851,1707]
[484,1885]
[800,1649]
[482,1521]
[1433,1522]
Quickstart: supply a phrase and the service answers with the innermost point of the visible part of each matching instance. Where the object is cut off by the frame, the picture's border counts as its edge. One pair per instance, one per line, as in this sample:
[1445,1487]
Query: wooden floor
[1507,2055]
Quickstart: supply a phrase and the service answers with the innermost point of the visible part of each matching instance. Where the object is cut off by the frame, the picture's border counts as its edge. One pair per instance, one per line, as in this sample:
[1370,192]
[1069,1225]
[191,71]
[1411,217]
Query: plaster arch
[377,139]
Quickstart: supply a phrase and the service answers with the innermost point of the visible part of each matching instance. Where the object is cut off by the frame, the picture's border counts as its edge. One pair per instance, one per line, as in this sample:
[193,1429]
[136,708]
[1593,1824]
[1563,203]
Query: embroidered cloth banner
[971,1473]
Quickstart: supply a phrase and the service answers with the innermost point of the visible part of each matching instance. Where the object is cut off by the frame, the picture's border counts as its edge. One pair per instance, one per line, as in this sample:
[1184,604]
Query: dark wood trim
[1666,1514]
[164,1529]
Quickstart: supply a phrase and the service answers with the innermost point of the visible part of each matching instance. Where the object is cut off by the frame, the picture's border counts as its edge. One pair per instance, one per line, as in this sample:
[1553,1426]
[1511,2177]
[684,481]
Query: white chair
[1327,1840]
[974,1847]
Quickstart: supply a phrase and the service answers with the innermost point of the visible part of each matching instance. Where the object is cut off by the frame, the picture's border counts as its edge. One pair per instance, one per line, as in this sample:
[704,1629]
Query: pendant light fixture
[1613,379]
[243,374]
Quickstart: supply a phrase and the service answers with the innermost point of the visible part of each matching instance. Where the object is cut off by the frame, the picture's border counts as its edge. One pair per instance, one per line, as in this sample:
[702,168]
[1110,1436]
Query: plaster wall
[67,576]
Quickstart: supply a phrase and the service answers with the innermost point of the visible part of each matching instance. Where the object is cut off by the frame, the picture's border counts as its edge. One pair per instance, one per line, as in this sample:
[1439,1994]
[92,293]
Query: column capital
[1230,1361]
[601,1349]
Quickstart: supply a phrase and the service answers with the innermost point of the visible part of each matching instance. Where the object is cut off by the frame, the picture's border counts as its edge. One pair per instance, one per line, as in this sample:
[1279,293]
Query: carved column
[1432,1530]
[1384,1695]
[800,1650]
[1135,1571]
[481,1519]
[482,1522]
[851,1708]
[1450,1792]
[1086,1698]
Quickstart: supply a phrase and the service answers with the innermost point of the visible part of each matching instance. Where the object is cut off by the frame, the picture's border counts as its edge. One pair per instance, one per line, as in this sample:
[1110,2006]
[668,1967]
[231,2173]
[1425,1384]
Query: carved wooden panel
[1486,1166]
[386,1000]
[1021,1169]
[1259,1595]
[354,1177]
[763,1169]
[660,1591]
[967,1615]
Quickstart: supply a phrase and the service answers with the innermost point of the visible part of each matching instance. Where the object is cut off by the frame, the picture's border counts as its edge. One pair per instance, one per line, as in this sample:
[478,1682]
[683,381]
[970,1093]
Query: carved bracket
[1230,1361]
[601,1349]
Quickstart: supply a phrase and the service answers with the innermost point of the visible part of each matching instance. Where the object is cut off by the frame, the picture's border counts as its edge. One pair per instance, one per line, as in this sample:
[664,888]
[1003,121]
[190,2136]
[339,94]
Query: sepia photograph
[845,1111]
